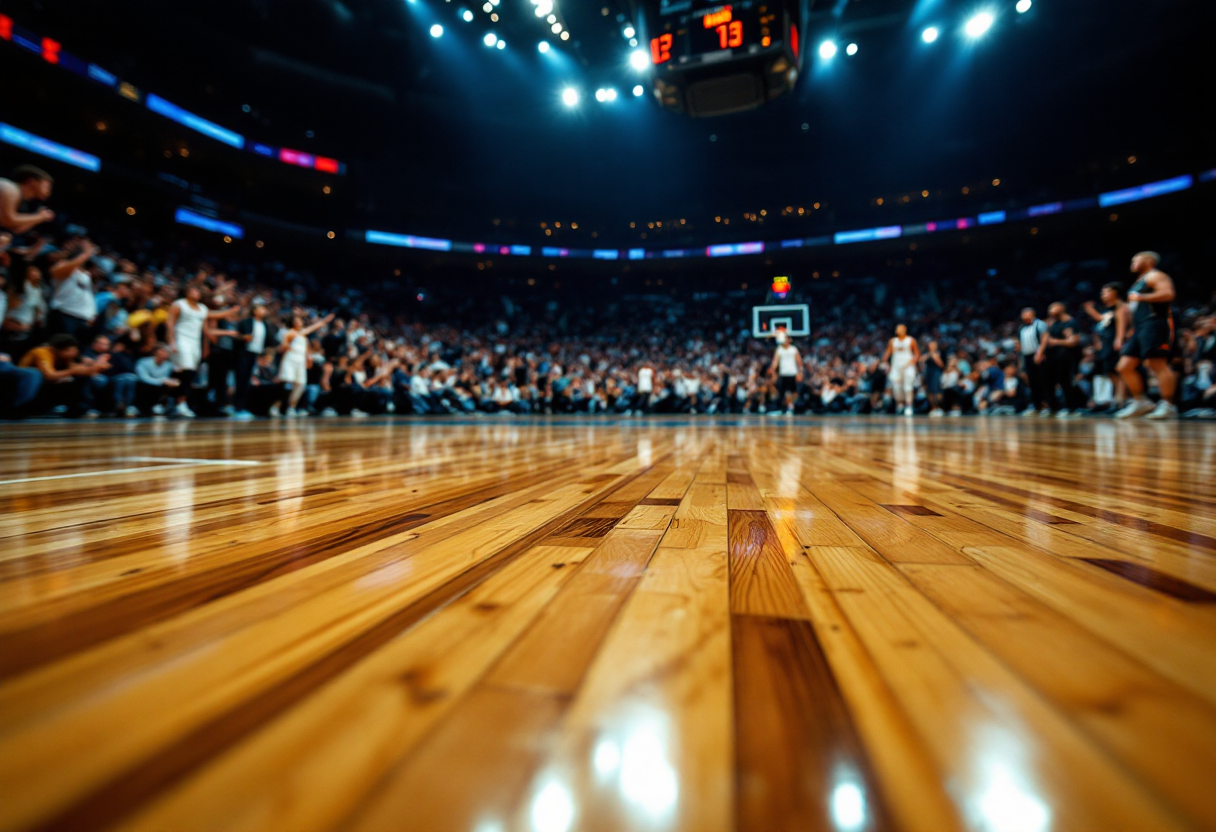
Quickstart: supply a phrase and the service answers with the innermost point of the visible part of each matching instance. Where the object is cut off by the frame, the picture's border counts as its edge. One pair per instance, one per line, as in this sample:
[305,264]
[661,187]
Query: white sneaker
[329,411]
[956,413]
[1134,408]
[1163,410]
[183,410]
[242,416]
[936,413]
[762,410]
[907,411]
[789,413]
[1045,414]
[292,413]
[1030,411]
[227,410]
[132,412]
[158,410]
[358,414]
[275,413]
[1062,414]
[92,414]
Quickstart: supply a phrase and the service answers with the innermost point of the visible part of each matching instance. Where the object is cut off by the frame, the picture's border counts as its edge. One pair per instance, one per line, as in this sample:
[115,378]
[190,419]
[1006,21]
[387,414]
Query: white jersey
[645,380]
[188,335]
[293,369]
[787,360]
[901,351]
[74,296]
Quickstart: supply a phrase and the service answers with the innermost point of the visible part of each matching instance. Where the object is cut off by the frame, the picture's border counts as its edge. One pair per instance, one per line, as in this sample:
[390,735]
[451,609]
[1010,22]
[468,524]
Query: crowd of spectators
[89,331]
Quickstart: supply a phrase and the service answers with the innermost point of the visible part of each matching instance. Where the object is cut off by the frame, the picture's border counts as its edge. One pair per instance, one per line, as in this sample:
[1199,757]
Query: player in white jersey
[787,366]
[903,353]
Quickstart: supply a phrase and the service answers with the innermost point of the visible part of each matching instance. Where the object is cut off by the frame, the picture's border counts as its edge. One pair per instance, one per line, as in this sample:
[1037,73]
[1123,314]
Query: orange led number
[713,19]
[730,34]
[660,48]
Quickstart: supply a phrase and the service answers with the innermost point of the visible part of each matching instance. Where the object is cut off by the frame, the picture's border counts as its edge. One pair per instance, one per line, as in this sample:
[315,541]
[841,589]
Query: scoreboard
[711,58]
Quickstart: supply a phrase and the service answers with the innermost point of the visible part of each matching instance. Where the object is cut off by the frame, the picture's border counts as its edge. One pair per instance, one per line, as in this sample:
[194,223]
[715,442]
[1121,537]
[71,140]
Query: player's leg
[1166,384]
[1129,370]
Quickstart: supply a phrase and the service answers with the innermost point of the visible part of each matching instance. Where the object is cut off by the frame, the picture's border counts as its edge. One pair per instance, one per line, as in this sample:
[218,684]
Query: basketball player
[1152,339]
[645,389]
[28,185]
[787,367]
[1113,322]
[1059,352]
[903,353]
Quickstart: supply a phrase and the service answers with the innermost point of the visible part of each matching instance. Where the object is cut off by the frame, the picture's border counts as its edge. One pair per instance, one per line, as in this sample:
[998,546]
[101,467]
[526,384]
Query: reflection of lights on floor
[1008,808]
[848,807]
[647,779]
[553,809]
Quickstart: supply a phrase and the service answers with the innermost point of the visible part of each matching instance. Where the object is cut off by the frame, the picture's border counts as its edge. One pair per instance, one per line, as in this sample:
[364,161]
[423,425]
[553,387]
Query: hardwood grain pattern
[658,624]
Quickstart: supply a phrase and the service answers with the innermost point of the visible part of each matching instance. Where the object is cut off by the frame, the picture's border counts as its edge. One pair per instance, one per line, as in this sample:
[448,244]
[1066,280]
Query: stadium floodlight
[851,50]
[629,32]
[639,60]
[978,25]
[570,97]
[610,94]
[490,39]
[638,90]
[601,94]
[436,31]
[1023,6]
[542,47]
[827,50]
[565,36]
[556,27]
[466,16]
[929,35]
[502,44]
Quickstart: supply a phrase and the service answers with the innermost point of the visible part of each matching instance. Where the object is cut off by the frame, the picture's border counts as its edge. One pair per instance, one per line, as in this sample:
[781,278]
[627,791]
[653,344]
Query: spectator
[73,305]
[66,380]
[29,185]
[154,381]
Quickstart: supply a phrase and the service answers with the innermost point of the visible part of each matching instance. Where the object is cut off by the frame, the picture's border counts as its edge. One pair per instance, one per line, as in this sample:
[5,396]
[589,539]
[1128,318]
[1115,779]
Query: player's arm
[310,329]
[1070,339]
[171,325]
[886,356]
[1122,320]
[14,220]
[286,345]
[798,357]
[772,367]
[1162,286]
[915,350]
[1091,311]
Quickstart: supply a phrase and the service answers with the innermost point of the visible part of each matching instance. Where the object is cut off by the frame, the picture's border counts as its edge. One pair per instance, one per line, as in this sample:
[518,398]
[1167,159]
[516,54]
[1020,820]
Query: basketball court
[579,623]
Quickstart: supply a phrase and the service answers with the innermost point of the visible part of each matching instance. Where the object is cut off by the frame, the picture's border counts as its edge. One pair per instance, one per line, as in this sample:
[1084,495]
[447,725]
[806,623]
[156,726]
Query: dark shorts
[787,384]
[1152,340]
[1104,364]
[933,383]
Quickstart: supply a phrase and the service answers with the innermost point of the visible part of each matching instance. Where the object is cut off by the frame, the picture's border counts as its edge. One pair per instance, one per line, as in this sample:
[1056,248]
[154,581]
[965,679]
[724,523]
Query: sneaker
[956,413]
[1030,411]
[1163,410]
[132,412]
[183,410]
[1045,413]
[1062,414]
[391,407]
[292,413]
[158,410]
[275,413]
[92,414]
[358,414]
[936,413]
[242,416]
[907,411]
[789,413]
[329,411]
[1200,413]
[762,410]
[228,410]
[1134,408]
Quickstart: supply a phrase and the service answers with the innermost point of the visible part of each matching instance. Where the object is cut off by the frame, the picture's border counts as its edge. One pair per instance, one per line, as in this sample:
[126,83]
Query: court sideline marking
[171,463]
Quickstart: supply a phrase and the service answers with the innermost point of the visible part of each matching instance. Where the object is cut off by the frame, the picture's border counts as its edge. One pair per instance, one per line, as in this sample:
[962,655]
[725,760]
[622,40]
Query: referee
[1030,338]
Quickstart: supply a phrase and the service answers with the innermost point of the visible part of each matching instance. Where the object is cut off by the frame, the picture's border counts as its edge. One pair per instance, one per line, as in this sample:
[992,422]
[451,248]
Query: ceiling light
[827,50]
[502,44]
[436,31]
[570,97]
[978,25]
[490,39]
[565,36]
[556,27]
[601,94]
[929,35]
[638,90]
[851,50]
[467,16]
[1023,6]
[543,46]
[639,60]
[630,31]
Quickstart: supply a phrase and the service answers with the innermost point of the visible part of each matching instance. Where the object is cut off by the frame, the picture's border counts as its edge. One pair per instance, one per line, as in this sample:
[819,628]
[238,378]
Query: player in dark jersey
[1059,352]
[1112,323]
[1152,339]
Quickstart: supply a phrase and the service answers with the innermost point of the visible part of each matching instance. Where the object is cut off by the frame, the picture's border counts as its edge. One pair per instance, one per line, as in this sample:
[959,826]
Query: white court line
[186,461]
[172,463]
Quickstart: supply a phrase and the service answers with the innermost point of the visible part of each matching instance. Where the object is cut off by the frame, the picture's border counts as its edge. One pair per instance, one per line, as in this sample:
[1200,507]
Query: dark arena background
[555,415]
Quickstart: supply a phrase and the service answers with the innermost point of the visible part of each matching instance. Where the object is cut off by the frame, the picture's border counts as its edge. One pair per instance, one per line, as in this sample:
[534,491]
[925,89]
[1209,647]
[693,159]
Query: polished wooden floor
[762,625]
